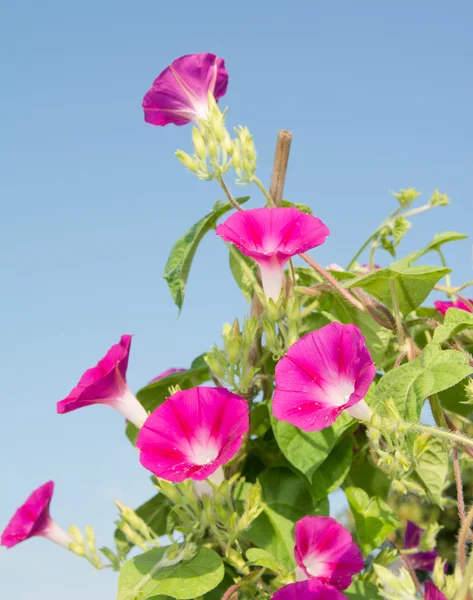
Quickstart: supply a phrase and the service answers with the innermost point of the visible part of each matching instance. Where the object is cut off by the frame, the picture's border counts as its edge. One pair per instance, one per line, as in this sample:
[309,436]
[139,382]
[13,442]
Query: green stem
[416,211]
[397,314]
[230,198]
[464,591]
[363,247]
[264,191]
[448,281]
[457,438]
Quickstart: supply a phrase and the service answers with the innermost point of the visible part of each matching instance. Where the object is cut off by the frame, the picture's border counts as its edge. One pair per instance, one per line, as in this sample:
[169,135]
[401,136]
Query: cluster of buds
[231,365]
[438,199]
[281,325]
[406,197]
[84,545]
[213,147]
[395,586]
[448,584]
[135,530]
[244,156]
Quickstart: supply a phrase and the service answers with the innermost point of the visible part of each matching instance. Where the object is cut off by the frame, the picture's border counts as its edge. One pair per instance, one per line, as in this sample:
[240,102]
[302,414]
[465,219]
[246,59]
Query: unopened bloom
[180,93]
[324,373]
[423,561]
[33,519]
[271,236]
[106,384]
[442,307]
[308,590]
[326,551]
[167,373]
[193,434]
[432,592]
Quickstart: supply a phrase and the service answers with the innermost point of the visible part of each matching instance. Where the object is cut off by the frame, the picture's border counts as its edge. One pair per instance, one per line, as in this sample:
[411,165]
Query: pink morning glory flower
[326,551]
[271,236]
[442,307]
[180,93]
[33,519]
[167,373]
[106,384]
[308,590]
[324,373]
[193,434]
[423,561]
[432,592]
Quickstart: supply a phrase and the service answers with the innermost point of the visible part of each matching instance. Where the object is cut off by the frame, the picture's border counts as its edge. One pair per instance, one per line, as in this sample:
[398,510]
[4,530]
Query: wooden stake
[281,157]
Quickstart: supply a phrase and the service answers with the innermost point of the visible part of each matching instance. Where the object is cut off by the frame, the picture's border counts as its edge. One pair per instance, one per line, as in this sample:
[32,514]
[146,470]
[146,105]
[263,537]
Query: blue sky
[378,96]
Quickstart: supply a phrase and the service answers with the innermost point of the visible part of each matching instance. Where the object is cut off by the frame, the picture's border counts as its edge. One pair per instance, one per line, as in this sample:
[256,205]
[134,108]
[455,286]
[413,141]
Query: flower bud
[187,161]
[199,143]
[212,148]
[228,144]
[76,534]
[406,197]
[438,199]
[78,549]
[395,585]
[214,365]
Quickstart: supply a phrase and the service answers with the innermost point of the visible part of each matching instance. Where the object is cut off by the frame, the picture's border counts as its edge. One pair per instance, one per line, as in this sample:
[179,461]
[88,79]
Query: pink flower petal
[325,372]
[432,592]
[193,433]
[325,550]
[33,519]
[166,374]
[443,306]
[106,384]
[422,561]
[180,93]
[308,590]
[271,236]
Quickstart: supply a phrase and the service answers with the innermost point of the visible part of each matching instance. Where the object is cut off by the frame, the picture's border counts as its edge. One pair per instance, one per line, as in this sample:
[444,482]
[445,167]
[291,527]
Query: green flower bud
[212,148]
[187,161]
[214,365]
[233,351]
[395,585]
[438,199]
[227,143]
[428,538]
[199,143]
[78,549]
[76,534]
[407,197]
[90,537]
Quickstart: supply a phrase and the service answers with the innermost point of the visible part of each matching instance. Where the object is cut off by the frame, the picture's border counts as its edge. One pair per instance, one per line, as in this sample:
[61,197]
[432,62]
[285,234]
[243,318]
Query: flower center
[340,394]
[203,453]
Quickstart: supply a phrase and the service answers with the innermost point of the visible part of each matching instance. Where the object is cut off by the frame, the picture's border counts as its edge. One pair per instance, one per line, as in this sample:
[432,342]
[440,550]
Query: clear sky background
[378,95]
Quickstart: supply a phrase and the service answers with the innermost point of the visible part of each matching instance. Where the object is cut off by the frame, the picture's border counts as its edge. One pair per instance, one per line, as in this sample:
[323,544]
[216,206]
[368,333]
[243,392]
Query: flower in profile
[193,433]
[33,519]
[271,236]
[432,592]
[106,384]
[167,373]
[180,93]
[442,306]
[326,551]
[324,373]
[423,561]
[308,590]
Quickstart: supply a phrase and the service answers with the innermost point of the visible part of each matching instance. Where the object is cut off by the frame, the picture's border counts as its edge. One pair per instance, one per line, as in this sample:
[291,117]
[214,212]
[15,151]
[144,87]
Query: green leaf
[412,284]
[262,558]
[374,519]
[332,472]
[456,320]
[308,450]
[362,590]
[180,259]
[302,207]
[434,245]
[455,400]
[244,271]
[287,499]
[154,513]
[141,578]
[431,466]
[410,384]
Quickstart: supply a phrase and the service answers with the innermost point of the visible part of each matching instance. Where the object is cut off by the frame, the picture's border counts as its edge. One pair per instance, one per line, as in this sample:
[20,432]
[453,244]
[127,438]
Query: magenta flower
[106,384]
[442,307]
[326,551]
[423,561]
[308,590]
[271,236]
[166,374]
[324,373]
[193,434]
[432,592]
[180,93]
[33,519]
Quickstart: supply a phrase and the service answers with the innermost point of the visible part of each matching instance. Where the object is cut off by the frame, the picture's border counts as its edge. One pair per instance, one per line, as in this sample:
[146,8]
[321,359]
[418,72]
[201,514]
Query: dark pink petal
[322,374]
[193,433]
[166,374]
[180,93]
[326,551]
[271,236]
[442,306]
[33,519]
[432,592]
[412,535]
[422,561]
[308,590]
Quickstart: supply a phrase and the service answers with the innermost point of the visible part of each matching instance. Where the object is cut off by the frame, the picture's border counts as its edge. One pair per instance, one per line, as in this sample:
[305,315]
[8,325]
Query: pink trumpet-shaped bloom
[432,592]
[308,590]
[33,519]
[167,373]
[271,236]
[106,384]
[422,560]
[442,307]
[326,551]
[180,93]
[193,433]
[324,373]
